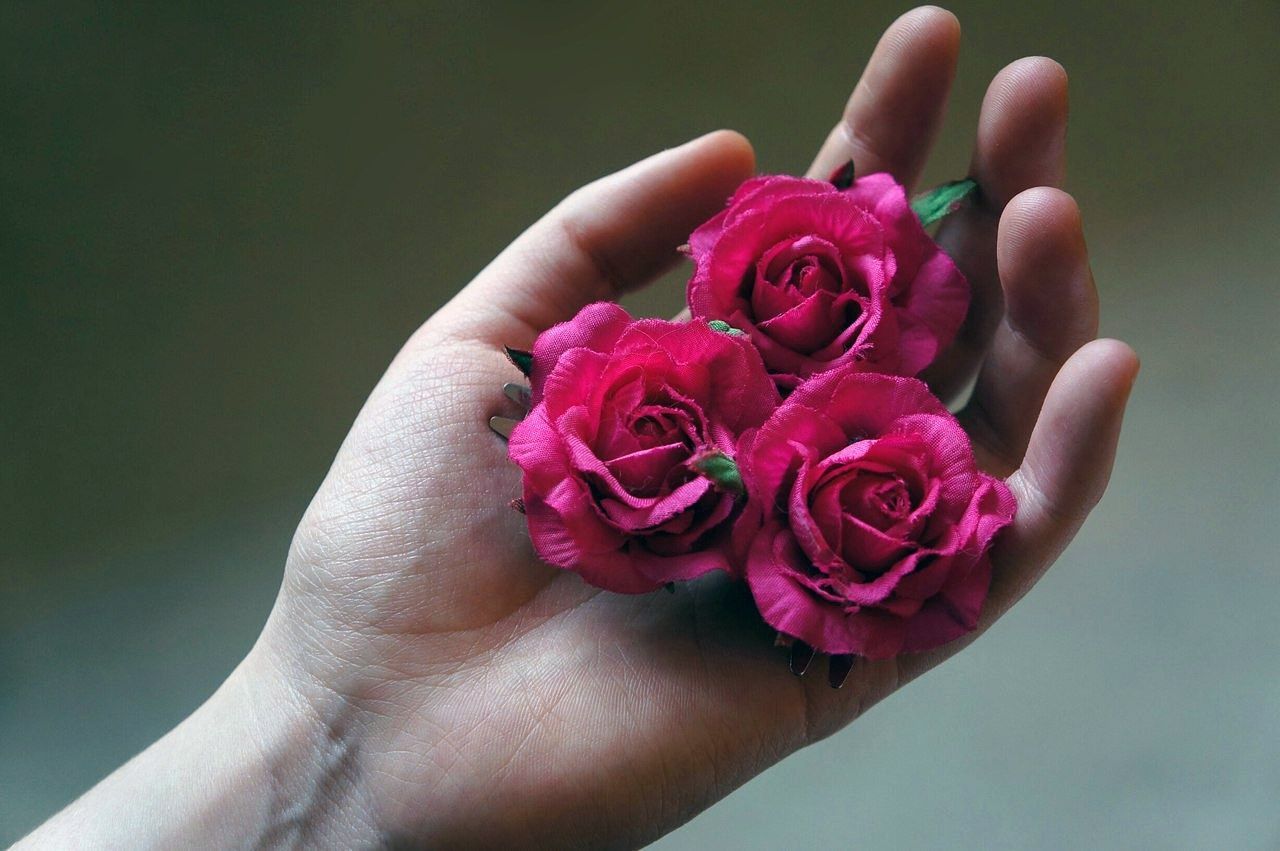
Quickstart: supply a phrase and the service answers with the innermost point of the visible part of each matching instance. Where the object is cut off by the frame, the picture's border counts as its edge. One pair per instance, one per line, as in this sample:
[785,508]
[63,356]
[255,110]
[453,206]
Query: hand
[457,691]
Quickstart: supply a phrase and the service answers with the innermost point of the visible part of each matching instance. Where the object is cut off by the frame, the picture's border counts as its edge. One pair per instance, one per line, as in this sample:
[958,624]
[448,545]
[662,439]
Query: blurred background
[221,220]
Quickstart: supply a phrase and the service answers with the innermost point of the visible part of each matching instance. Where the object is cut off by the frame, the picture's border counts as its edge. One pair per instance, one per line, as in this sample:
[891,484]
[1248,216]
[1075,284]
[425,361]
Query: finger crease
[983,430]
[1036,348]
[862,144]
[609,278]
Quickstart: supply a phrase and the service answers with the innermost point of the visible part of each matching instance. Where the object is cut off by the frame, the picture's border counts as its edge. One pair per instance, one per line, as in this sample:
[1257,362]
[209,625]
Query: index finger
[893,115]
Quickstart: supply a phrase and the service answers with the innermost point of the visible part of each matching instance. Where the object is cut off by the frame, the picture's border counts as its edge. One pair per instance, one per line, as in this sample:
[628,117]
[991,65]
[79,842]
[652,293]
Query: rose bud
[821,277]
[627,454]
[868,525]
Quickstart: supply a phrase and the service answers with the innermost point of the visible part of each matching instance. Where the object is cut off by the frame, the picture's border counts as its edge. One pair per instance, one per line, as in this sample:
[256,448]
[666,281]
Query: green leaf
[724,328]
[721,470]
[522,359]
[942,200]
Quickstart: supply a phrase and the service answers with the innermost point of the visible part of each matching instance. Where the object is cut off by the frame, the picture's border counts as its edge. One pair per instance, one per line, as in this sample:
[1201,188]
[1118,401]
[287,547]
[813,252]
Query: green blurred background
[221,220]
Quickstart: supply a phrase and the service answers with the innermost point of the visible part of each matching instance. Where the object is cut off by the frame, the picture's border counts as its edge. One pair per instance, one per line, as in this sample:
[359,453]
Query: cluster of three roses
[777,436]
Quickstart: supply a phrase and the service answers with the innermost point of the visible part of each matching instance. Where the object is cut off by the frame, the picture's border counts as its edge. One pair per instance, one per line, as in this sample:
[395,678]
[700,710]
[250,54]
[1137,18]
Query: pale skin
[424,680]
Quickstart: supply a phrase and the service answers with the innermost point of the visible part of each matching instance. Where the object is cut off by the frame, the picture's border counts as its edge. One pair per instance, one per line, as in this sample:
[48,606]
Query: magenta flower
[868,526]
[628,477]
[821,277]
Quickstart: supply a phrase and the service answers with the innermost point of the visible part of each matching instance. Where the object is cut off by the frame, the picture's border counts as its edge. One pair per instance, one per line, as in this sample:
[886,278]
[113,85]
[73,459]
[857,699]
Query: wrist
[258,765]
[302,743]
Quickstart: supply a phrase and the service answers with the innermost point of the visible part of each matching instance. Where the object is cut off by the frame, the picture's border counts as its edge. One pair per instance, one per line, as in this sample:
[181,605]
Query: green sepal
[842,178]
[721,470]
[522,359]
[724,328]
[941,201]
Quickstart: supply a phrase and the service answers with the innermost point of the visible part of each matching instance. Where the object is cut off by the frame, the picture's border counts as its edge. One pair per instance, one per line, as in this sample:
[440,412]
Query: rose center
[877,499]
[802,295]
[661,427]
[648,457]
[809,275]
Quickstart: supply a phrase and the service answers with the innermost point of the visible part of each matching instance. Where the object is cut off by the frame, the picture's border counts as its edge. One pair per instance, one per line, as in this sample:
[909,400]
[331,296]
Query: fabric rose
[868,525]
[821,277]
[628,478]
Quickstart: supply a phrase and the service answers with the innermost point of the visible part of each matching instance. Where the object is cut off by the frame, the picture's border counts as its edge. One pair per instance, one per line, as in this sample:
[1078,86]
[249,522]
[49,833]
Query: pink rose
[632,421]
[821,277]
[868,525]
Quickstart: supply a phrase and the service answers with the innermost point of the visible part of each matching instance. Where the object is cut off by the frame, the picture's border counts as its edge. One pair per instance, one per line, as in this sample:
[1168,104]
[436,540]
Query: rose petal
[596,327]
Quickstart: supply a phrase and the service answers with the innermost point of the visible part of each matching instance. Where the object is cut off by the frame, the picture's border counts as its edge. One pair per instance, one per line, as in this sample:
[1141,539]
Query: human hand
[457,691]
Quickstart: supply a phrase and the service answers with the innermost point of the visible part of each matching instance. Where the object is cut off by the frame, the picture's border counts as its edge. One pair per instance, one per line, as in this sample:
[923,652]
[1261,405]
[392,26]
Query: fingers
[607,238]
[893,115]
[1051,311]
[1021,143]
[1065,471]
[1066,468]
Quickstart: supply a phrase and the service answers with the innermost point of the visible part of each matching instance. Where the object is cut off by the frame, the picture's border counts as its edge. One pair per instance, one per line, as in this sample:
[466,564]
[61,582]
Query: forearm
[253,767]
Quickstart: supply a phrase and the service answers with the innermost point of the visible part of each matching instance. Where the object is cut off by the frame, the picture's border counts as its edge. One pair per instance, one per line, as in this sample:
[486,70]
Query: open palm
[471,694]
